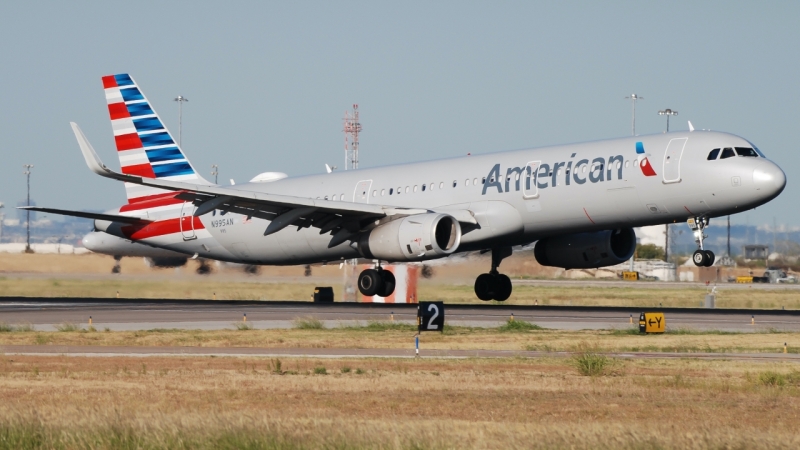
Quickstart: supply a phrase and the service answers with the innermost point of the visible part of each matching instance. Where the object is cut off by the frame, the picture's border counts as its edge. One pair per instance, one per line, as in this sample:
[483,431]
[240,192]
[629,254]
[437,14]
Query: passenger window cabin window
[747,152]
[466,182]
[475,181]
[713,154]
[441,185]
[375,193]
[455,183]
[391,191]
[407,188]
[415,188]
[383,192]
[432,186]
[727,153]
[423,188]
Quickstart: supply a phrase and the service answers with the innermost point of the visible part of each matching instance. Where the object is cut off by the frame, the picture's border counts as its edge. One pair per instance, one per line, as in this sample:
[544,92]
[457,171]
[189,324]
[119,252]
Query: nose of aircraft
[769,179]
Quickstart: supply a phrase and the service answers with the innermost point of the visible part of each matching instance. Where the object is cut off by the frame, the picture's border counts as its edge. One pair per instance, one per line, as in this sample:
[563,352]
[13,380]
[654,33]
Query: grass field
[392,335]
[588,400]
[171,402]
[88,276]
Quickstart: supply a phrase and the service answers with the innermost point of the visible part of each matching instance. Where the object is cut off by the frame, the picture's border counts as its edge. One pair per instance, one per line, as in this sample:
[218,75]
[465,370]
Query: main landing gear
[494,285]
[376,282]
[701,257]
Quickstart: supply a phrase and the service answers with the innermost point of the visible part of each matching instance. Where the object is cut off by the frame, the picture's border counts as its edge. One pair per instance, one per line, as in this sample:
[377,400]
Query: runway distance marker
[652,322]
[430,316]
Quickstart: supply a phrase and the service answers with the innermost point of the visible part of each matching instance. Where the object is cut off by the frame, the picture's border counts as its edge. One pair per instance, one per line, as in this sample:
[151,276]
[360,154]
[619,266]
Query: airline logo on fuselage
[544,175]
[644,163]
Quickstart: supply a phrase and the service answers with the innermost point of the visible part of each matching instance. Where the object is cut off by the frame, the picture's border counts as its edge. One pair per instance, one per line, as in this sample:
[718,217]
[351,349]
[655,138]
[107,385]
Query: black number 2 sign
[430,316]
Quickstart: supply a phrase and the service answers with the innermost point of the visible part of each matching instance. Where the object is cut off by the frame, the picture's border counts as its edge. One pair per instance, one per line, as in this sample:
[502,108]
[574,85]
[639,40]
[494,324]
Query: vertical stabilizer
[144,145]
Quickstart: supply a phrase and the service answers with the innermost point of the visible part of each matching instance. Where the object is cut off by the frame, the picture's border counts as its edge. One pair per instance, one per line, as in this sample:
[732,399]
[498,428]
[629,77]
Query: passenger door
[187,221]
[529,188]
[672,160]
[361,194]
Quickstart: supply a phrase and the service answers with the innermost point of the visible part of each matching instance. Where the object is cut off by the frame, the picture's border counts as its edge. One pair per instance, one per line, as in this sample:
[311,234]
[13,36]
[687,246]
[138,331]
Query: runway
[145,314]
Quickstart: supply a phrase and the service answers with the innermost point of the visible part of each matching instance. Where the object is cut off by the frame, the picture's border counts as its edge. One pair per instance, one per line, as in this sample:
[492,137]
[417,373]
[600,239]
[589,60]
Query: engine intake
[412,238]
[587,250]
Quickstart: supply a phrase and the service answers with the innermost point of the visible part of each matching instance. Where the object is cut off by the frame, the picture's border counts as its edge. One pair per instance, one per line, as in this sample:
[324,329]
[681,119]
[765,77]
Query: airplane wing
[88,215]
[344,219]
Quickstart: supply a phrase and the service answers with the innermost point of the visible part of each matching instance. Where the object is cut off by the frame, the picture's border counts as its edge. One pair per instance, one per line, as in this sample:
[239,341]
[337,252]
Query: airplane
[578,202]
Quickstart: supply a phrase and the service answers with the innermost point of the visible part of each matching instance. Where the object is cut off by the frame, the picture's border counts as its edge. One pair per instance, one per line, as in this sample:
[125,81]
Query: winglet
[691,127]
[92,160]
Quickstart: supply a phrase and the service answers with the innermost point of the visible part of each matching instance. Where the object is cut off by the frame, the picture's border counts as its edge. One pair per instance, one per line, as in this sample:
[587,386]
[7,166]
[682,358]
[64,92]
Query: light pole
[668,112]
[633,98]
[27,174]
[2,217]
[215,172]
[180,99]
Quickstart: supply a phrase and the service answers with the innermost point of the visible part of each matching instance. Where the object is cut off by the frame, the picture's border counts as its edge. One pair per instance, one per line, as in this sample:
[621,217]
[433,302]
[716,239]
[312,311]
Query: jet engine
[587,250]
[165,262]
[412,238]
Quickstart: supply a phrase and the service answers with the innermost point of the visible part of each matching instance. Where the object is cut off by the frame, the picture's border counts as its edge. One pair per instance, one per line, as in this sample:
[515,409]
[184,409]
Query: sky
[268,82]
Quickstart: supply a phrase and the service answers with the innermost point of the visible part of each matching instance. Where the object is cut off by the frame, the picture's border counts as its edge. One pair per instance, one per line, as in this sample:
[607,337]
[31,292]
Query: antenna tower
[351,129]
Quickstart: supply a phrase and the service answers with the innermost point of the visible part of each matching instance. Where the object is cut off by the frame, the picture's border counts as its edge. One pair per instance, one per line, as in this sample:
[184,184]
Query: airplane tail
[144,145]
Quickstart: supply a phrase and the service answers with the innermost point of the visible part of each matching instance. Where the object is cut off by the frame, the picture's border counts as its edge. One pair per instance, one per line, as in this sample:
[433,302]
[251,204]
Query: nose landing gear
[376,282]
[494,285]
[701,257]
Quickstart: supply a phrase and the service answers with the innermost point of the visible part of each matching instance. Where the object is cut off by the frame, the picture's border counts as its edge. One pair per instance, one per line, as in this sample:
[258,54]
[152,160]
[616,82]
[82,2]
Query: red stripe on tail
[109,82]
[118,111]
[140,170]
[128,142]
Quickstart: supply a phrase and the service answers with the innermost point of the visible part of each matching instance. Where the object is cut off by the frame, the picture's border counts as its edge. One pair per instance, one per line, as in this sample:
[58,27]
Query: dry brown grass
[456,338]
[89,276]
[515,403]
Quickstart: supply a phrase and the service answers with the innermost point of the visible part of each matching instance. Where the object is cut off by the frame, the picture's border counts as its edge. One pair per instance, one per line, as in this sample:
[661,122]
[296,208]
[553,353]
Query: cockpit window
[727,153]
[745,151]
[760,153]
[713,155]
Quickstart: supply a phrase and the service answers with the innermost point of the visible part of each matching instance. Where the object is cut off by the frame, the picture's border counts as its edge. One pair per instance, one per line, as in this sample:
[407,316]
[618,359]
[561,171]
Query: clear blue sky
[268,82]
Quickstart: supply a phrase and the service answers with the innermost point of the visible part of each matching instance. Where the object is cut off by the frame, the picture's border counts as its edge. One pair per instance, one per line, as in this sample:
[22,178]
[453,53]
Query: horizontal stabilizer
[88,215]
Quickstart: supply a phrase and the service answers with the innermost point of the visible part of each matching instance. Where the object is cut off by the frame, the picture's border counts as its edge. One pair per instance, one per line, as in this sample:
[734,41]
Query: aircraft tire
[484,286]
[699,258]
[709,258]
[502,288]
[388,281]
[369,282]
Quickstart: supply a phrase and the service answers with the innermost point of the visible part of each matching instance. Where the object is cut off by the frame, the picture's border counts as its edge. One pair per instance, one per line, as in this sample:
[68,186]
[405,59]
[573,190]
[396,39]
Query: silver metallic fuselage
[510,208]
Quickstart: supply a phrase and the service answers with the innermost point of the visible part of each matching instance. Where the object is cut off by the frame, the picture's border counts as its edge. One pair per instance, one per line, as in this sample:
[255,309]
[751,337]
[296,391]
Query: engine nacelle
[413,238]
[587,250]
[165,262]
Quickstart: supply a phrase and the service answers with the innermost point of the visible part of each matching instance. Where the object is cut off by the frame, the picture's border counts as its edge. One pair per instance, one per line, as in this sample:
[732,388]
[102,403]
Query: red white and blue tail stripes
[144,145]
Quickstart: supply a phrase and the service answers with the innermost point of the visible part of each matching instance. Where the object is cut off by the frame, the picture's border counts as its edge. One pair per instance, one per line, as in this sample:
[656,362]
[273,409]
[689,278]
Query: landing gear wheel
[709,258]
[699,258]
[369,282]
[484,286]
[388,282]
[502,287]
